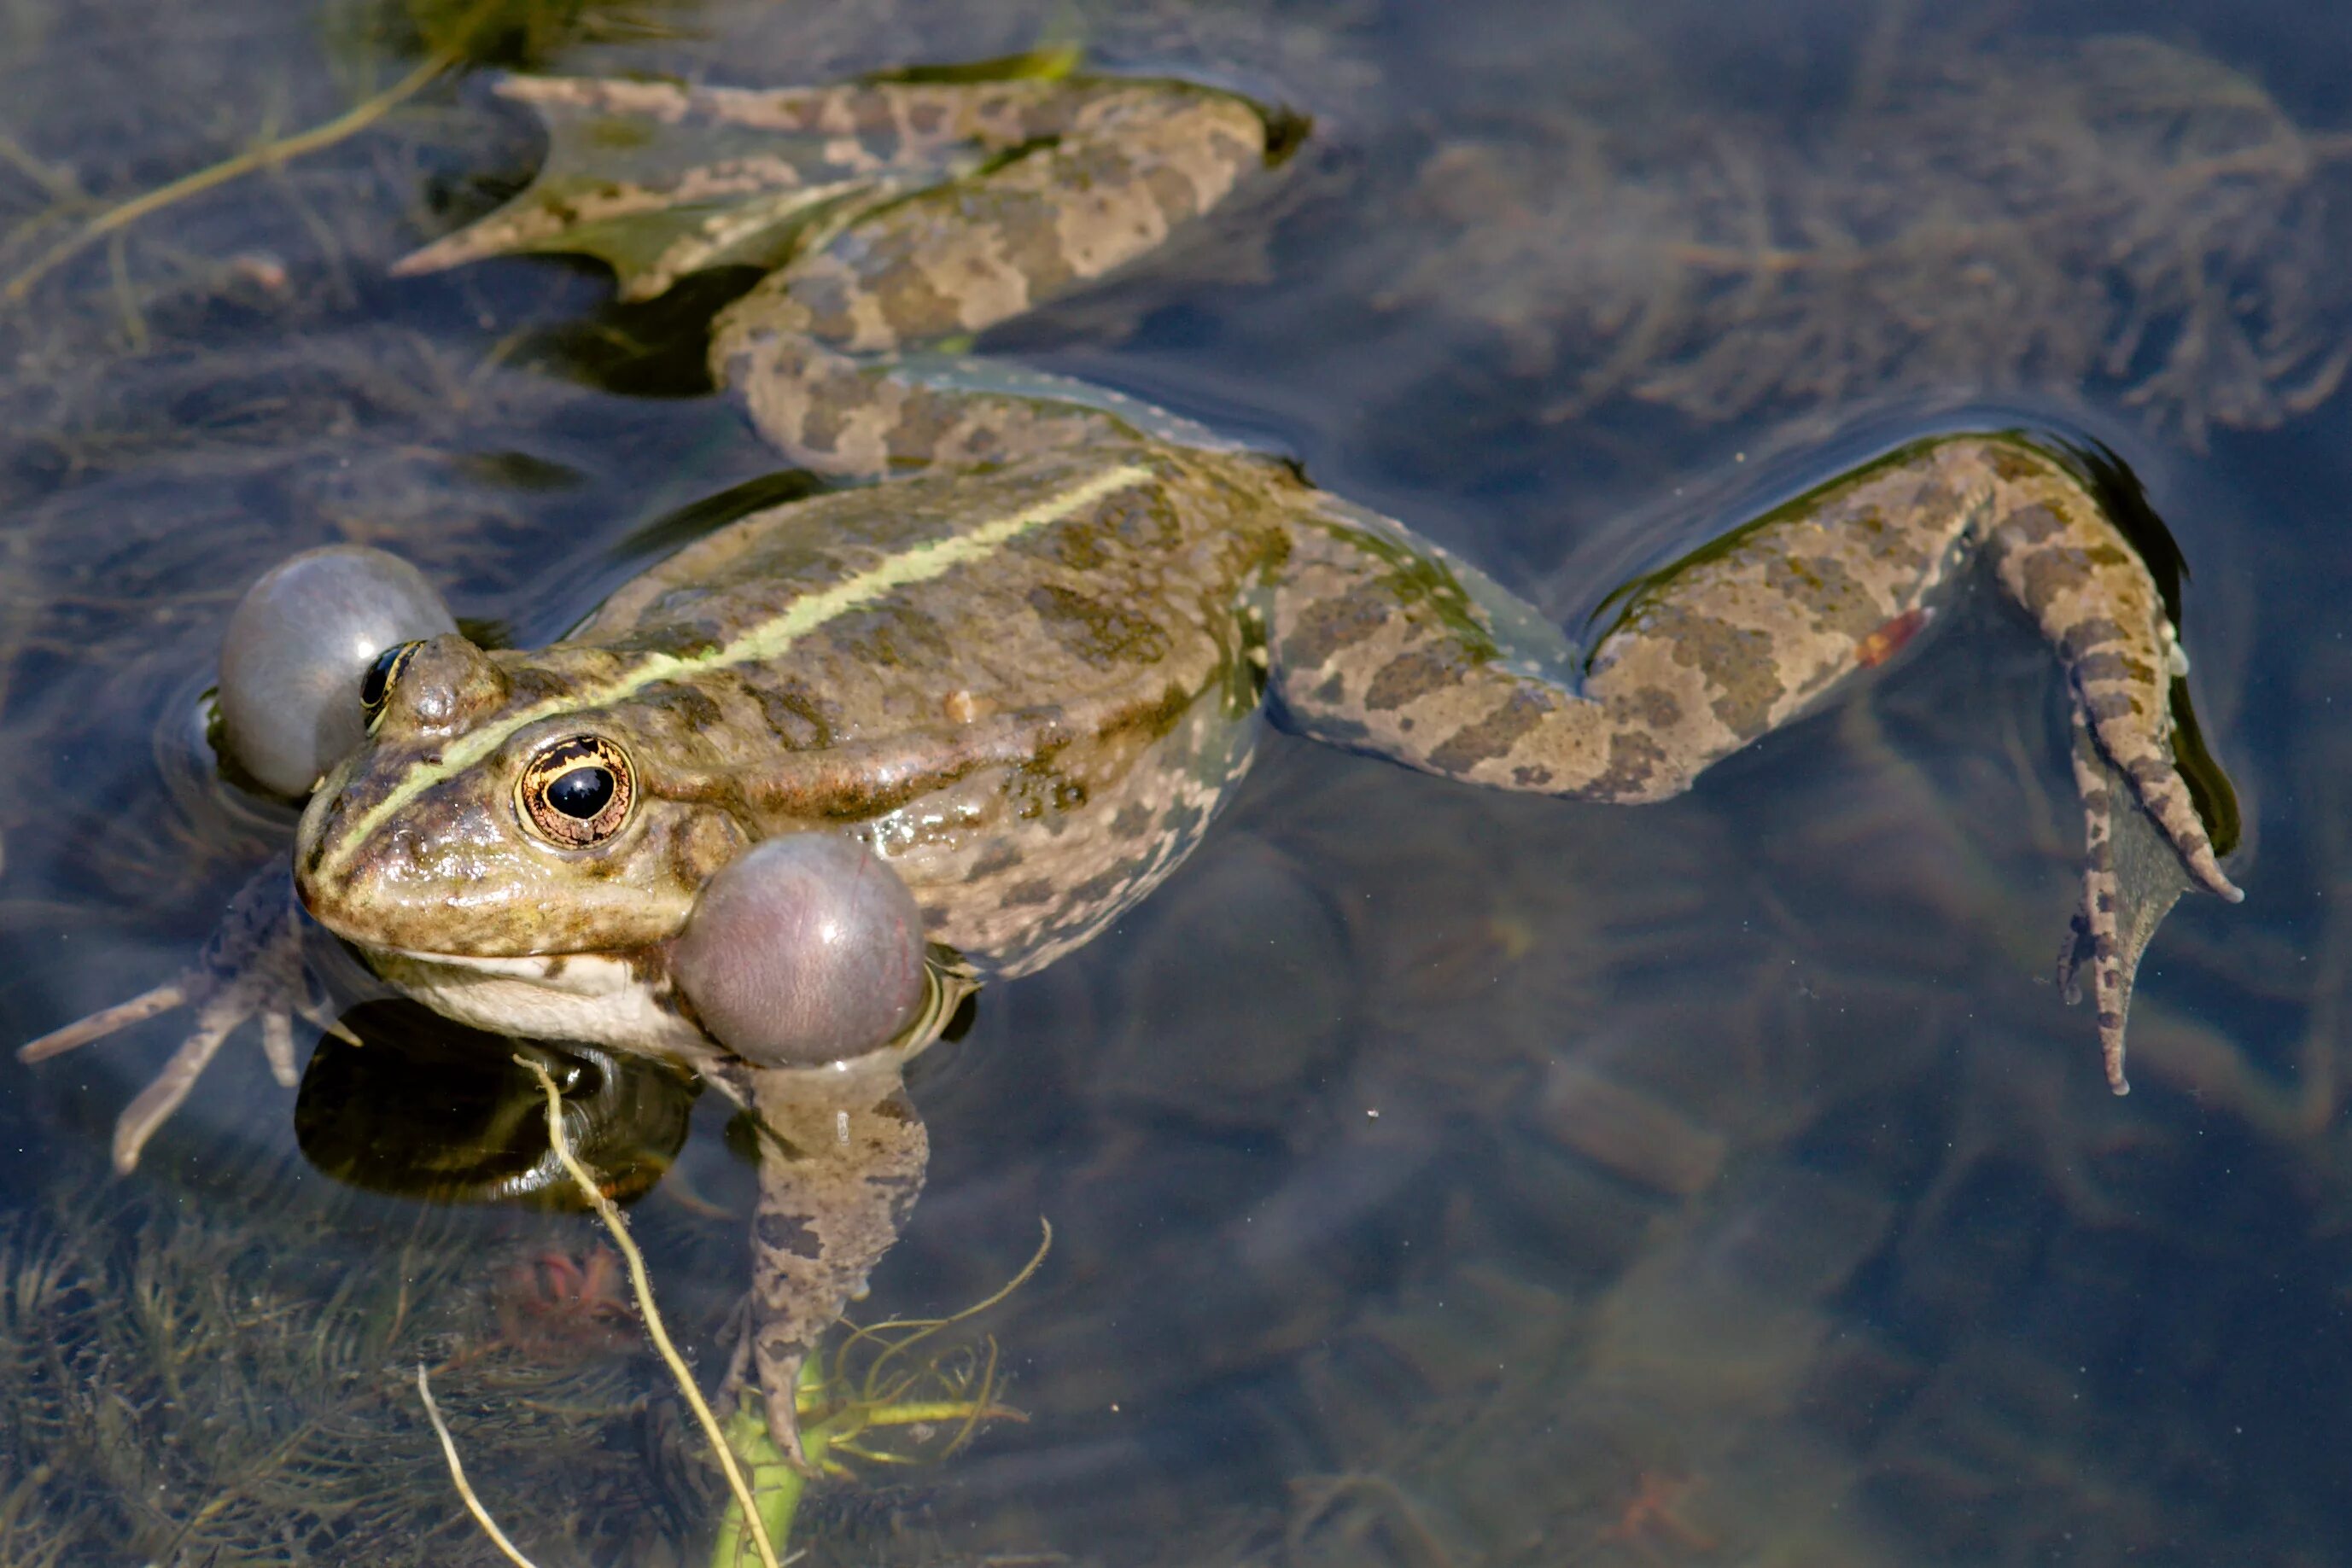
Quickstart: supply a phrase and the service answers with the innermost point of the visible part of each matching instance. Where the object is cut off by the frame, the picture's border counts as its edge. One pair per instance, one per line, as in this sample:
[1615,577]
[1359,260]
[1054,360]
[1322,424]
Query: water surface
[1437,1178]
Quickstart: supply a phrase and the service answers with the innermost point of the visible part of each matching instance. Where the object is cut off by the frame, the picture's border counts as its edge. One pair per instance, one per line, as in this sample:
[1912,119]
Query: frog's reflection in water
[433,1110]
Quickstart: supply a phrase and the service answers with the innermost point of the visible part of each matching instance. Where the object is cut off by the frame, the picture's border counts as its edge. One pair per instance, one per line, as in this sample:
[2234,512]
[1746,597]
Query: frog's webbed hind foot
[2133,873]
[252,968]
[837,1180]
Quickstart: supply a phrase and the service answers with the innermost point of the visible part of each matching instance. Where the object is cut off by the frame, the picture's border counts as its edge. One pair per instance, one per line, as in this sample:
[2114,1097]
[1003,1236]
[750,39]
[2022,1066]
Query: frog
[1024,643]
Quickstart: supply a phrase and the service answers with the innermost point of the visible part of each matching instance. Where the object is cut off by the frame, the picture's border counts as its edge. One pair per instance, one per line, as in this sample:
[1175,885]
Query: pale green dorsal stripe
[768,640]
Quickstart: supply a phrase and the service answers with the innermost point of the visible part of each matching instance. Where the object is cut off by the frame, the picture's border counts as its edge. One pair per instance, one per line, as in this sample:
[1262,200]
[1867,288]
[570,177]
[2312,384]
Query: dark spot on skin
[2111,1020]
[824,299]
[999,856]
[1335,624]
[2048,574]
[892,636]
[2033,525]
[693,707]
[788,1234]
[1331,692]
[1829,594]
[2108,705]
[1183,823]
[794,715]
[1635,763]
[1411,675]
[1738,663]
[935,917]
[2110,665]
[1030,894]
[2107,903]
[2008,463]
[1494,735]
[1133,821]
[1098,633]
[2080,638]
[1530,777]
[1654,707]
[1103,885]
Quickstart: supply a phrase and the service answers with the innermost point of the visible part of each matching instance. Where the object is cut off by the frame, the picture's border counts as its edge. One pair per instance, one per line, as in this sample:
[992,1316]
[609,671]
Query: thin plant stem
[610,1213]
[348,124]
[458,1474]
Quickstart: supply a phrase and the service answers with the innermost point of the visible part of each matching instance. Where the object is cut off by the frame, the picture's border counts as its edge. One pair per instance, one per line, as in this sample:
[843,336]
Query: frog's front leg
[840,1169]
[1383,644]
[252,968]
[1107,169]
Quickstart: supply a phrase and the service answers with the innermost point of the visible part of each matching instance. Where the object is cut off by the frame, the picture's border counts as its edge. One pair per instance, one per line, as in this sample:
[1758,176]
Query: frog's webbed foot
[837,1179]
[2133,872]
[251,969]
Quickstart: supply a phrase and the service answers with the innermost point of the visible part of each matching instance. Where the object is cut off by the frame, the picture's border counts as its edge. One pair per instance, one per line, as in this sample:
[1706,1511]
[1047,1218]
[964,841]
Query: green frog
[1023,649]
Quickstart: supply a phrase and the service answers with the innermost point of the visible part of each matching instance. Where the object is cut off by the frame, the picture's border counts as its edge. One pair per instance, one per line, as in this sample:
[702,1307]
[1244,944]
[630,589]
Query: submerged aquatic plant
[185,1383]
[872,1400]
[2117,211]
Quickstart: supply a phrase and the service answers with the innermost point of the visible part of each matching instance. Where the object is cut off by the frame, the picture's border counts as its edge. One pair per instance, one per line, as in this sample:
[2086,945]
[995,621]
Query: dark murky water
[1436,1178]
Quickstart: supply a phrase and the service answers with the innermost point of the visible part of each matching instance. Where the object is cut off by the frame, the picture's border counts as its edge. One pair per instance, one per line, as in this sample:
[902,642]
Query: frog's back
[1099,587]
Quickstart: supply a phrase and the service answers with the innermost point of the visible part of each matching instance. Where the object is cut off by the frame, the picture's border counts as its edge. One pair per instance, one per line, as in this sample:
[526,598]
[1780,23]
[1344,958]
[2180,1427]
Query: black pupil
[378,679]
[581,791]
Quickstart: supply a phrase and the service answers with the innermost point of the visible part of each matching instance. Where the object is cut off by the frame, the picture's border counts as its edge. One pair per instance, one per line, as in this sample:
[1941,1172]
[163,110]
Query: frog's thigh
[812,348]
[1712,653]
[1134,162]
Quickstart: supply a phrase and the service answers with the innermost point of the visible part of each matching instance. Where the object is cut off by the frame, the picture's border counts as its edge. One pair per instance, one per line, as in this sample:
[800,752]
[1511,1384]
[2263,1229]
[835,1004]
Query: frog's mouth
[622,1000]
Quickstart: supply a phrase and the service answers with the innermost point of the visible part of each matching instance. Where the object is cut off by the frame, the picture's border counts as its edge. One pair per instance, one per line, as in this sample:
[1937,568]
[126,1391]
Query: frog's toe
[780,1380]
[2133,872]
[278,1045]
[2174,815]
[154,1104]
[99,1025]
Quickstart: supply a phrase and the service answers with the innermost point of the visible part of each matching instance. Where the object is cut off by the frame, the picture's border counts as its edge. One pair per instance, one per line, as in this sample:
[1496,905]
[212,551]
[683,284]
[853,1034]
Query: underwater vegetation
[185,1382]
[2117,212]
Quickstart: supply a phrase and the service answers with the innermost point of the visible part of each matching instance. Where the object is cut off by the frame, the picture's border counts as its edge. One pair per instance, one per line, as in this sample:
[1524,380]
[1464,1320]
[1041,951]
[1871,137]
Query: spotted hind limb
[1383,643]
[2131,880]
[819,351]
[841,1165]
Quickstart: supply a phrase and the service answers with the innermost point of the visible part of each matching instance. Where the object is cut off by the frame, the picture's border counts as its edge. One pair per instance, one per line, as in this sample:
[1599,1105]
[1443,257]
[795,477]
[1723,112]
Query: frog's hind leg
[2131,880]
[1382,643]
[1111,169]
[837,1179]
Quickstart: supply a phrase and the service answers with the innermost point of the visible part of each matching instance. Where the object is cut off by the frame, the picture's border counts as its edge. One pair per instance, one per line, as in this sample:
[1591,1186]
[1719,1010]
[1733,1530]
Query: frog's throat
[768,640]
[599,997]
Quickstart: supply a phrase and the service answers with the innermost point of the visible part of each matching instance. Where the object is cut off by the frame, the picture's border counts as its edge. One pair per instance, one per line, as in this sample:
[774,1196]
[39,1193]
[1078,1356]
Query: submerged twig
[267,154]
[610,1213]
[458,1474]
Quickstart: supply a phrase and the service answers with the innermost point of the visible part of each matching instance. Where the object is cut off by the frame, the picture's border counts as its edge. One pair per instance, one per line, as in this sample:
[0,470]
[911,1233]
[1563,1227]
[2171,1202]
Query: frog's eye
[375,686]
[576,792]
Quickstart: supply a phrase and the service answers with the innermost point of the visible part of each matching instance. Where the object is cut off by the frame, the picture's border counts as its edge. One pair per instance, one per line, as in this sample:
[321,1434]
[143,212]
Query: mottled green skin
[1027,668]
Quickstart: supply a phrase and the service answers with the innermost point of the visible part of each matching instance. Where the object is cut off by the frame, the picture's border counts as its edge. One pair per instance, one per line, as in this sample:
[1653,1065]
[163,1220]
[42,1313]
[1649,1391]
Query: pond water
[1435,1177]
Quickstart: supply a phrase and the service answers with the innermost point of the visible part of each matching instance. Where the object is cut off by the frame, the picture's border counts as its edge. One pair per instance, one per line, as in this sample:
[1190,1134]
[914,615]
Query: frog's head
[498,832]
